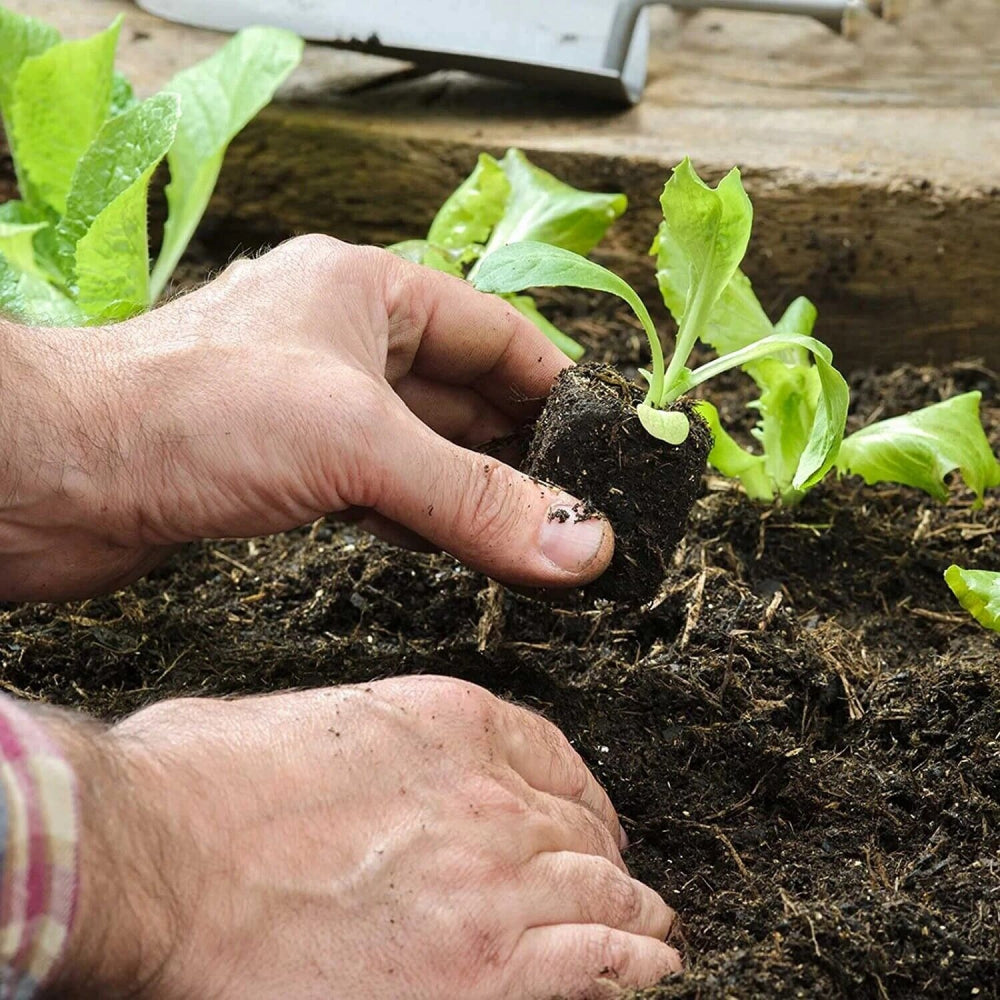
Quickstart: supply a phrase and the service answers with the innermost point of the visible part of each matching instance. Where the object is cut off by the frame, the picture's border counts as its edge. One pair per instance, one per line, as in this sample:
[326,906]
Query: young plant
[702,241]
[978,591]
[923,447]
[512,201]
[75,248]
[803,400]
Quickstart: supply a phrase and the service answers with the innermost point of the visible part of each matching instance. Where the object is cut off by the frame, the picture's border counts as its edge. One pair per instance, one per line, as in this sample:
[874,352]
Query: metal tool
[595,47]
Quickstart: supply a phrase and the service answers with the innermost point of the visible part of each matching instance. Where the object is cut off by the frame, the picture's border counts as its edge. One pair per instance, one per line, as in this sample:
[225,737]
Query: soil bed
[803,734]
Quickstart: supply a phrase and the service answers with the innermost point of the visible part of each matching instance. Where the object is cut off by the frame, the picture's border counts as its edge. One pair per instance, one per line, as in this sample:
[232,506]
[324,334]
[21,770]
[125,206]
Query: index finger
[540,753]
[461,336]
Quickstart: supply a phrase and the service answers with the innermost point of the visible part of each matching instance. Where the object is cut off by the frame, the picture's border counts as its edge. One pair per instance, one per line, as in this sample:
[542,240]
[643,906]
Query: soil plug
[589,441]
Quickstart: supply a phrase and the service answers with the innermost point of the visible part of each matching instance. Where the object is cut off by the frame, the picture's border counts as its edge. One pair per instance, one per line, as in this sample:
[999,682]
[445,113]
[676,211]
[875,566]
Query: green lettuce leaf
[799,317]
[59,102]
[44,241]
[736,319]
[704,236]
[18,228]
[978,591]
[921,448]
[670,426]
[426,253]
[112,258]
[528,264]
[411,250]
[218,98]
[525,305]
[471,212]
[786,413]
[827,431]
[20,38]
[541,208]
[122,96]
[122,158]
[33,301]
[733,460]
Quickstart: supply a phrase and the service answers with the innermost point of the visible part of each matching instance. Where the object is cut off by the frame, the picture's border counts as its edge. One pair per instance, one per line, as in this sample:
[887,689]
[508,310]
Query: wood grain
[873,163]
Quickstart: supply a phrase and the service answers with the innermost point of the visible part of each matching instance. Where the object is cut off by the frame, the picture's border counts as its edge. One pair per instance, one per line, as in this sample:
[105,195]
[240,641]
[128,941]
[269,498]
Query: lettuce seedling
[75,248]
[802,407]
[923,447]
[978,591]
[803,400]
[702,240]
[512,201]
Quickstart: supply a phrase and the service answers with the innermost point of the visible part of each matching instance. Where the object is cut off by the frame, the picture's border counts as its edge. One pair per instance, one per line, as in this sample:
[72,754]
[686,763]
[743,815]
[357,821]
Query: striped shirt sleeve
[38,852]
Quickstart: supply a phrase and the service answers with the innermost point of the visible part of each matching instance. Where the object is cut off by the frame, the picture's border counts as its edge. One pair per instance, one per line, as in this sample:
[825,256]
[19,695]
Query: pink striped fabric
[38,840]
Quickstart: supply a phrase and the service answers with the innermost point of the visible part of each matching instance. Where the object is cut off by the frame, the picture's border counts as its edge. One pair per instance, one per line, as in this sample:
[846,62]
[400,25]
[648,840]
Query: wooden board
[873,163]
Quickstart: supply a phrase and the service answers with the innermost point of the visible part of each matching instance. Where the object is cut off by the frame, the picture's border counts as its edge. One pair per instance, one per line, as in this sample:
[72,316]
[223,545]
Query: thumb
[491,517]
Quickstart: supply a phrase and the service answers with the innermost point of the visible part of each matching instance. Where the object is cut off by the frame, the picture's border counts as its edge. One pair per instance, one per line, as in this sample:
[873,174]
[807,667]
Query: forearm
[36,483]
[17,374]
[61,455]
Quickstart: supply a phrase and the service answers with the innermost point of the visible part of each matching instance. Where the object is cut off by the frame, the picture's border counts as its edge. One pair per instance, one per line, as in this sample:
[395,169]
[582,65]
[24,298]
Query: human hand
[320,378]
[413,838]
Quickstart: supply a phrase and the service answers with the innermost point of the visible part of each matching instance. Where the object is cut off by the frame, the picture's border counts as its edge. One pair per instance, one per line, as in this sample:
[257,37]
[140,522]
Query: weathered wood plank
[900,270]
[872,163]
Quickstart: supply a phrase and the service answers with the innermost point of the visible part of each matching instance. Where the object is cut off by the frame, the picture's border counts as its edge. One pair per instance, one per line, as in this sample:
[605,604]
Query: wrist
[124,922]
[63,463]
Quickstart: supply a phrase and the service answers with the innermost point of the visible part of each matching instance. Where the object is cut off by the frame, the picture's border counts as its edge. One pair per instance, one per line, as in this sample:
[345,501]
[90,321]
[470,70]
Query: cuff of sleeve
[39,826]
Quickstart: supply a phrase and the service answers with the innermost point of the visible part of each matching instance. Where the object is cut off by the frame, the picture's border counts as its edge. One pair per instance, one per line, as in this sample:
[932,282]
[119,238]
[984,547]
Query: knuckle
[577,775]
[493,802]
[459,698]
[311,246]
[490,508]
[474,949]
[384,265]
[622,897]
[599,837]
[311,254]
[483,949]
[238,271]
[408,295]
[375,257]
[608,954]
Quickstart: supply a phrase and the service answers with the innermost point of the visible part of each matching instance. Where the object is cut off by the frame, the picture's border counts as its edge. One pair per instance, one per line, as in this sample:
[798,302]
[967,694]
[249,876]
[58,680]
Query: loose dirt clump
[802,730]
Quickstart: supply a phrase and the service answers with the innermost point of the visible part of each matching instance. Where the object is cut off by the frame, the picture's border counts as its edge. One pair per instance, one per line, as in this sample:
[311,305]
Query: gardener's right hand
[414,838]
[321,378]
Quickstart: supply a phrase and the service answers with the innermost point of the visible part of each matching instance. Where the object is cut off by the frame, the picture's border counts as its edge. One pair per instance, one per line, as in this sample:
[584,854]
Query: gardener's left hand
[321,378]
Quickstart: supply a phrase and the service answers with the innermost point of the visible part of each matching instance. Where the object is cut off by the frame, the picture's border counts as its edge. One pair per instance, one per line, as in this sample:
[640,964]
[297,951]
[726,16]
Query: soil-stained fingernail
[570,541]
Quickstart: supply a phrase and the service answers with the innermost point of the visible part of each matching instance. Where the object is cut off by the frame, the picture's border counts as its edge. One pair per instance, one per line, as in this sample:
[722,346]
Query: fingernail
[570,539]
[622,839]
